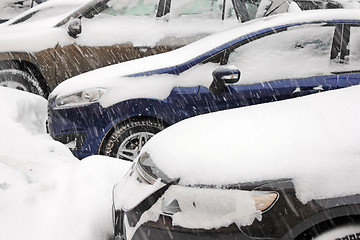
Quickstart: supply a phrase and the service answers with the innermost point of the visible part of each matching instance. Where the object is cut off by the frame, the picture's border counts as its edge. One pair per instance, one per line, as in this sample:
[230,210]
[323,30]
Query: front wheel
[343,232]
[127,139]
[17,79]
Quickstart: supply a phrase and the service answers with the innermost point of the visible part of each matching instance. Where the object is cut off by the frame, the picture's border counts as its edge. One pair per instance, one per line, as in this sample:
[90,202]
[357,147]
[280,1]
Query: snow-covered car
[116,109]
[282,170]
[59,39]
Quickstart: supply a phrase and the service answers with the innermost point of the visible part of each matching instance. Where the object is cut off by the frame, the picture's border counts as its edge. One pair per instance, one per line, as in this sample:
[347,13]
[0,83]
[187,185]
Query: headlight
[148,170]
[264,200]
[80,98]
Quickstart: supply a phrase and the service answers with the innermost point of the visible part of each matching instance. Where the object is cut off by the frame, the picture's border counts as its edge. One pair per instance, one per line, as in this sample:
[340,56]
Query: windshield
[37,14]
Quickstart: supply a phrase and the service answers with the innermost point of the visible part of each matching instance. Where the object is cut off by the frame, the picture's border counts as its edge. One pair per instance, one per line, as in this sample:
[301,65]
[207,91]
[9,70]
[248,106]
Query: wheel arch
[133,118]
[327,225]
[28,67]
[342,214]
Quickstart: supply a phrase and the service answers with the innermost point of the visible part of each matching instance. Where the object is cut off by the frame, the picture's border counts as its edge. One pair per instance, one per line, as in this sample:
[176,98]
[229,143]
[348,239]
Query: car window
[132,7]
[178,8]
[298,52]
[203,8]
[252,7]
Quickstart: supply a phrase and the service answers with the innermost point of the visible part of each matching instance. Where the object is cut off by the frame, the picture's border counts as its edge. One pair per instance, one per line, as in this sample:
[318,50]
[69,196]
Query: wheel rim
[14,85]
[130,148]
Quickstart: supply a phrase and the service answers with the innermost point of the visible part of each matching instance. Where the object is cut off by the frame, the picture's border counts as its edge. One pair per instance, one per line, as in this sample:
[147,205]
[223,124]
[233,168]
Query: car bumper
[81,129]
[164,229]
[150,214]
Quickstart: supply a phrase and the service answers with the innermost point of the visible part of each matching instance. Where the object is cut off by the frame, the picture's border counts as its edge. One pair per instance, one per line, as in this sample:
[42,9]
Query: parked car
[282,170]
[59,39]
[116,109]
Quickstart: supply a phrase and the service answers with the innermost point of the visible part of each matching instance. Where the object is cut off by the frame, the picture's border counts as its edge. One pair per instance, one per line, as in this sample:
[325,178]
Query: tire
[342,232]
[17,79]
[127,139]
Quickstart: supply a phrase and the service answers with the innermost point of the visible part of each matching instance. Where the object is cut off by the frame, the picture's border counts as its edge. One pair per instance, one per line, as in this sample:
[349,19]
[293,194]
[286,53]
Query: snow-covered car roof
[312,140]
[111,76]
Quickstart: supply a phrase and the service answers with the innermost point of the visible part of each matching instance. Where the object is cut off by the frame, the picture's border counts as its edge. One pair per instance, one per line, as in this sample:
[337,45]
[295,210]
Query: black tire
[127,139]
[337,228]
[351,231]
[21,80]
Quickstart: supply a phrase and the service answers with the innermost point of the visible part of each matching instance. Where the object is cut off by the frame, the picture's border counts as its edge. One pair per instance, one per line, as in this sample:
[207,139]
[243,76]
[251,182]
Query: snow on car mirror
[224,75]
[74,27]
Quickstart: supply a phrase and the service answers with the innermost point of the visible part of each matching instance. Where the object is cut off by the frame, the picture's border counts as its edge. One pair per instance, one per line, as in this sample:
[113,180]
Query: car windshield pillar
[339,49]
[164,8]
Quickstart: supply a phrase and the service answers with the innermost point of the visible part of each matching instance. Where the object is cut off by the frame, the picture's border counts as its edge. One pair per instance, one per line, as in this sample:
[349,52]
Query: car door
[290,62]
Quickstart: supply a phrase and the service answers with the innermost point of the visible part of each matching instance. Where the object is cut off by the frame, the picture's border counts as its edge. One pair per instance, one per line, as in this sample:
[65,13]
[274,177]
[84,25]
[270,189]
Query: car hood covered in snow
[34,29]
[312,140]
[113,76]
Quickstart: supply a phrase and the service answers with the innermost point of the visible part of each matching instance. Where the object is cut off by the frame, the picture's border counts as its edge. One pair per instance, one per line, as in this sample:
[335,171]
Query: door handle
[310,88]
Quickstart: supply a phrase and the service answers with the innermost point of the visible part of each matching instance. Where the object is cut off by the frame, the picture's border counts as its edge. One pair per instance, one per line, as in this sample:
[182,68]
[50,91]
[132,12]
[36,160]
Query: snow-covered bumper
[161,208]
[81,128]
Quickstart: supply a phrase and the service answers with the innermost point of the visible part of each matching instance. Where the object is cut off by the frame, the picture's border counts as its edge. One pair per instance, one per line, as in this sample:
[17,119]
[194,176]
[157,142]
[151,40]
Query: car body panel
[88,58]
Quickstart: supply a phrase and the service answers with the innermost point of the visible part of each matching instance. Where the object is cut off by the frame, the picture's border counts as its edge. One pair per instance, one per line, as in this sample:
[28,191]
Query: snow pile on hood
[45,192]
[313,140]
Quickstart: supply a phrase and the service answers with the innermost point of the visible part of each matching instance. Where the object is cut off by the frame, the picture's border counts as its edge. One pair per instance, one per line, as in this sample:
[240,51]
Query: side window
[300,51]
[132,8]
[202,8]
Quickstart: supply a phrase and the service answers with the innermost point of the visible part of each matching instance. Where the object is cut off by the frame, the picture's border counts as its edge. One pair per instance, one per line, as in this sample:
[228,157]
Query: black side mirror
[74,27]
[223,75]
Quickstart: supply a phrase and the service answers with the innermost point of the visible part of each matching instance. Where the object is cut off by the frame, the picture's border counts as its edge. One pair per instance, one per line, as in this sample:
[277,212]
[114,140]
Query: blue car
[115,110]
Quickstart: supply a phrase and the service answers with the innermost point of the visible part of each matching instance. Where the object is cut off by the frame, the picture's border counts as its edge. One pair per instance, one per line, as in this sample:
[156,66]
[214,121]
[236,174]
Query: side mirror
[74,27]
[222,76]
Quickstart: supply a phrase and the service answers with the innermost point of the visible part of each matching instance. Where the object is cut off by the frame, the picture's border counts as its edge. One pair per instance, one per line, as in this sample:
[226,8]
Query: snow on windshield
[313,140]
[11,8]
[47,193]
[41,14]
